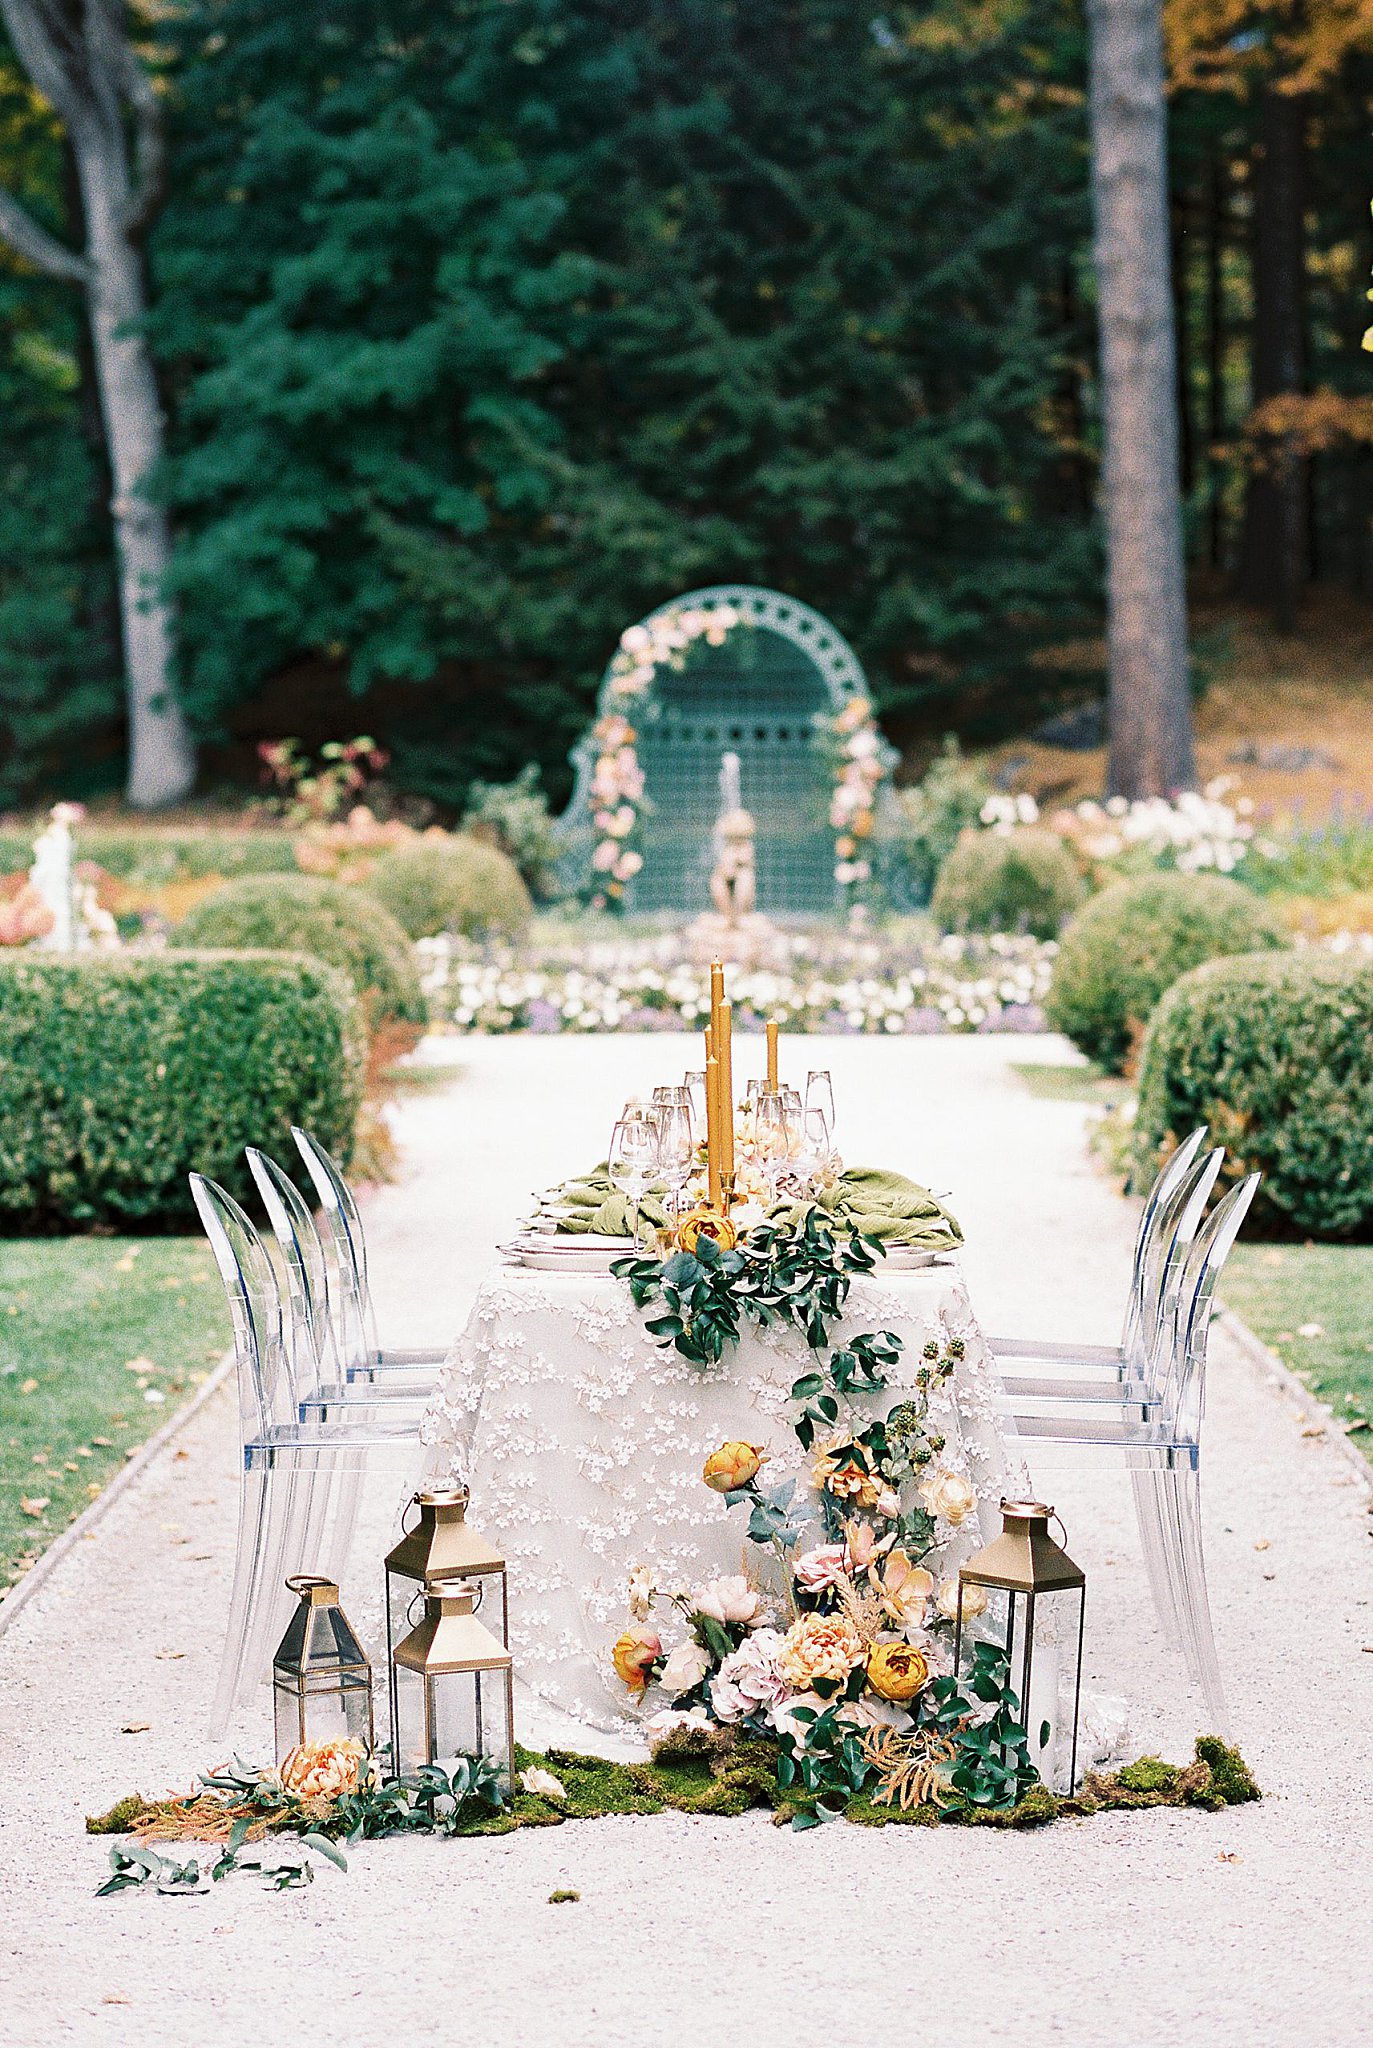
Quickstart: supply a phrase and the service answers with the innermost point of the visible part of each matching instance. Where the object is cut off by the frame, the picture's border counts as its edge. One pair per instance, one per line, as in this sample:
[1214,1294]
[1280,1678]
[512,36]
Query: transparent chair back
[306,1268]
[1166,1182]
[350,1303]
[1172,1230]
[267,1398]
[1184,1388]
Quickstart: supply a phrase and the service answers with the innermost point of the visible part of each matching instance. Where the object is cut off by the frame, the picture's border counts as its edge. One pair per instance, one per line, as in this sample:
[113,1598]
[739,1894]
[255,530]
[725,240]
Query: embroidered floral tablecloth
[582,1442]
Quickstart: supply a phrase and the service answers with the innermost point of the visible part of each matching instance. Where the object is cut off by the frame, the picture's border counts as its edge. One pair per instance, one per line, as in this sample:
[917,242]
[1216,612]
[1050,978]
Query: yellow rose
[706,1223]
[896,1671]
[948,1497]
[634,1656]
[825,1646]
[323,1770]
[974,1600]
[839,1472]
[732,1466]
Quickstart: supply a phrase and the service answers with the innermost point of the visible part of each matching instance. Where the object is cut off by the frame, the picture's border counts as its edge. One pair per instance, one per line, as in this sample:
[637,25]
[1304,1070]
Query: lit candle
[724,1053]
[773,1032]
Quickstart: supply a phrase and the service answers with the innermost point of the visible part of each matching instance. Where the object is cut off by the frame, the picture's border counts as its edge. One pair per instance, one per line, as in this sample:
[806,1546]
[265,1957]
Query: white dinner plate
[909,1258]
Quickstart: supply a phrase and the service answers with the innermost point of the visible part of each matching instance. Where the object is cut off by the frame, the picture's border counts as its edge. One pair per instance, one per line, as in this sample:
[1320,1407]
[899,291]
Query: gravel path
[1245,1928]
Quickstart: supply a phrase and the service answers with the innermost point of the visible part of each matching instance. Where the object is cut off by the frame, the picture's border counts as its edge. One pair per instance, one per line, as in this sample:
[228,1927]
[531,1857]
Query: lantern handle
[1055,1516]
[305,1582]
[413,1502]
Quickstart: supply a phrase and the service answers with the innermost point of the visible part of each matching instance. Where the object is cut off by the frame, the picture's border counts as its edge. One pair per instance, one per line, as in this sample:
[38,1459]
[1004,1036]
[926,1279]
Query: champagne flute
[676,1146]
[820,1094]
[813,1145]
[695,1085]
[772,1125]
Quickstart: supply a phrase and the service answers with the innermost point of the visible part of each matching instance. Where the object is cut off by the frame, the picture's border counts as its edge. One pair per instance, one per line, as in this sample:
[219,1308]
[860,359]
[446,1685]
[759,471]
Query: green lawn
[100,1338]
[1313,1305]
[1056,1083]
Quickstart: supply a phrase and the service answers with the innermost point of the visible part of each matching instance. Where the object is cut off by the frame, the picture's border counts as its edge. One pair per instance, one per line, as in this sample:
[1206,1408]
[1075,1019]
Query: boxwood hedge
[156,857]
[119,1074]
[1024,881]
[1130,943]
[305,914]
[451,885]
[1275,1053]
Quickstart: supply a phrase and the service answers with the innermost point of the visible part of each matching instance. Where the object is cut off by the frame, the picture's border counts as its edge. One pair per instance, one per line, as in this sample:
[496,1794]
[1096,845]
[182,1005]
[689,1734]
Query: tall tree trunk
[1215,354]
[78,55]
[1150,703]
[1273,567]
[161,760]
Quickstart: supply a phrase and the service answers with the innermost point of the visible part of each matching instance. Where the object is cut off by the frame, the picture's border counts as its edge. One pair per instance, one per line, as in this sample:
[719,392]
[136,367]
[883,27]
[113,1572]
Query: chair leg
[253,1517]
[1148,1483]
[1184,1500]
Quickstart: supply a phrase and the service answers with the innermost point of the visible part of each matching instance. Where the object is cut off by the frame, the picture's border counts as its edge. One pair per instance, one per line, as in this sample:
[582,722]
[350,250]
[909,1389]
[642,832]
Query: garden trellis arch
[733,668]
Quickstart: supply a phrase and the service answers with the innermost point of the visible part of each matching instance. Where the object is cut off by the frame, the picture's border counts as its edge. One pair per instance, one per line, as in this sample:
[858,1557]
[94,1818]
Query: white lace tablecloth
[582,1442]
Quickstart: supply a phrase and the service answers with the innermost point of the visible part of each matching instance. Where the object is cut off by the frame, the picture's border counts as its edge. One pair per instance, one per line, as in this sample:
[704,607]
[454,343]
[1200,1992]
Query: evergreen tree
[493,325]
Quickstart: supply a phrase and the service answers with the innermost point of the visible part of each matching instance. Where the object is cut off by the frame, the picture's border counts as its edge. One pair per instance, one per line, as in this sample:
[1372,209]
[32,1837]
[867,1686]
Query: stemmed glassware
[820,1094]
[773,1127]
[633,1157]
[676,1141]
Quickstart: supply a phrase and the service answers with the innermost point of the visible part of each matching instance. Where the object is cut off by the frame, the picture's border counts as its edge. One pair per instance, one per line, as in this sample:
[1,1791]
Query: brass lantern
[321,1679]
[442,1545]
[453,1686]
[1045,1596]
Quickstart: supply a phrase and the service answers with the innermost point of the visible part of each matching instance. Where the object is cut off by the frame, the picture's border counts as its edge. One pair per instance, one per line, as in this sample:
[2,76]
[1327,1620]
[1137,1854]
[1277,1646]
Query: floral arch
[733,668]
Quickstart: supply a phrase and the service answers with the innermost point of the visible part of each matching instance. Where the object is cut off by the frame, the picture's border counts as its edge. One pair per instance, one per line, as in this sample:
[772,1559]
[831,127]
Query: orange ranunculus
[634,1656]
[897,1672]
[732,1466]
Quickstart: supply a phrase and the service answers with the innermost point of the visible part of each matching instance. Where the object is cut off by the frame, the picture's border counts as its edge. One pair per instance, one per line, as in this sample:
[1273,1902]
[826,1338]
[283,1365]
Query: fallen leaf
[105,1442]
[135,1727]
[133,1450]
[168,1656]
[1358,1422]
[39,1458]
[115,1998]
[1367,1649]
[139,1365]
[94,1489]
[1262,1543]
[34,1506]
[1270,1575]
[154,1396]
[125,1265]
[1315,1429]
[1228,1856]
[29,1387]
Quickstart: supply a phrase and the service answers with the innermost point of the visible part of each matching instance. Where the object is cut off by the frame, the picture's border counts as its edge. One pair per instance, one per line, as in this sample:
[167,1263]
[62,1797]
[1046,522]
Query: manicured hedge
[305,914]
[156,857]
[451,885]
[1023,881]
[1275,1053]
[1130,943]
[119,1074]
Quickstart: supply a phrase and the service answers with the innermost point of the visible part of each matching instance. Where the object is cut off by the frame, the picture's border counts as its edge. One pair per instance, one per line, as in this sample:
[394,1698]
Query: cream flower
[670,1722]
[948,1497]
[819,1646]
[974,1600]
[888,1503]
[728,1601]
[641,1592]
[686,1666]
[542,1784]
[323,1770]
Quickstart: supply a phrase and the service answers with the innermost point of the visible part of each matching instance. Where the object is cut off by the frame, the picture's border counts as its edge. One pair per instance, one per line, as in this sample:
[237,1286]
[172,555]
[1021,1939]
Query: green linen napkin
[881,1204]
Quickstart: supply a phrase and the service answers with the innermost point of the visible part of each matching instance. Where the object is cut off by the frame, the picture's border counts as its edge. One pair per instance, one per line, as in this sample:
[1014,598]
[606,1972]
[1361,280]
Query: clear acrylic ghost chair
[321,1382]
[350,1296]
[1161,1448]
[1170,1215]
[287,1463]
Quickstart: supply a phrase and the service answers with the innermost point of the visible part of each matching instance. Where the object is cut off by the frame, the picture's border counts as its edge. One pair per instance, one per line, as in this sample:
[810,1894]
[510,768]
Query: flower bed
[962,983]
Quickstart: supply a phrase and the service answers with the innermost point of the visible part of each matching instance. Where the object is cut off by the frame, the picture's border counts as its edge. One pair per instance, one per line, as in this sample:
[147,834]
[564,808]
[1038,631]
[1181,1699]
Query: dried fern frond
[909,1766]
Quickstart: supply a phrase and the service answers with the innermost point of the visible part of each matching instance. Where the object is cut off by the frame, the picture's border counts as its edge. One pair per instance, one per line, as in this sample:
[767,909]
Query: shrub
[121,1073]
[1132,942]
[924,825]
[1023,881]
[451,885]
[155,858]
[303,914]
[514,817]
[1275,1053]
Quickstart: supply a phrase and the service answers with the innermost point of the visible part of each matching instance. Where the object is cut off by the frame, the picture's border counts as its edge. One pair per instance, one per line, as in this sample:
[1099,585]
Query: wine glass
[676,1144]
[632,1158]
[820,1094]
[772,1127]
[695,1085]
[812,1145]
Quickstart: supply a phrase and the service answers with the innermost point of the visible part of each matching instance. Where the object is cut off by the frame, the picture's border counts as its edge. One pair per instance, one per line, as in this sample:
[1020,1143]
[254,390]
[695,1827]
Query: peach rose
[823,1566]
[948,1497]
[732,1466]
[906,1590]
[897,1671]
[819,1646]
[634,1656]
[323,1770]
[838,1471]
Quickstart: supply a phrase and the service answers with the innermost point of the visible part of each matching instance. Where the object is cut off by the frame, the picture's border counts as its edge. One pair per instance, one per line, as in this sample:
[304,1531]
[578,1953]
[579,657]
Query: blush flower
[749,1681]
[323,1770]
[686,1666]
[822,1567]
[906,1590]
[641,1592]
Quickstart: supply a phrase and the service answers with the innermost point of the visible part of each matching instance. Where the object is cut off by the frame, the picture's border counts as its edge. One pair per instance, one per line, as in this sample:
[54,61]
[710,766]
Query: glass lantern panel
[334,1711]
[1047,1714]
[466,1717]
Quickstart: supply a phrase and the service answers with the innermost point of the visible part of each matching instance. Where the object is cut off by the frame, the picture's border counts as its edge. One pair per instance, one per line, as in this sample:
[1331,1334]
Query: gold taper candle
[717,996]
[772,1055]
[724,1053]
[712,1131]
